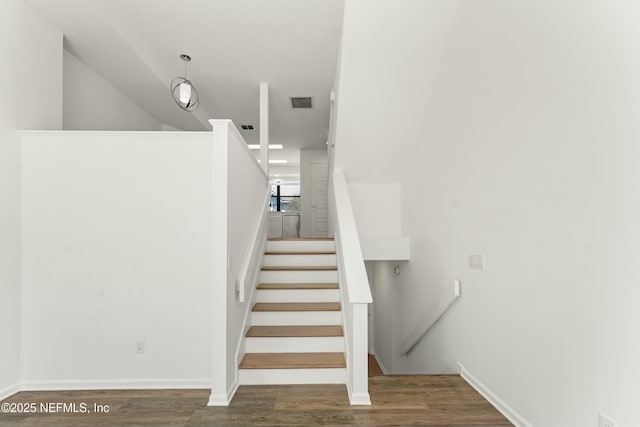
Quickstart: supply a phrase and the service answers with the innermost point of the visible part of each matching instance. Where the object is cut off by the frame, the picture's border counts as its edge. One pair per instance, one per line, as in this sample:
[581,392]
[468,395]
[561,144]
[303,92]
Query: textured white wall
[116,246]
[31,69]
[92,103]
[513,128]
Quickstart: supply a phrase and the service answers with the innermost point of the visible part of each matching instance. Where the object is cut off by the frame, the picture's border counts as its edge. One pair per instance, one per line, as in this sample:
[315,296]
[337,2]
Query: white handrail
[418,333]
[253,251]
[351,252]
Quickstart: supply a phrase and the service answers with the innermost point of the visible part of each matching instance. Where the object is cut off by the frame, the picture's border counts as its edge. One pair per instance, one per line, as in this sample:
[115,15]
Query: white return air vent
[302,102]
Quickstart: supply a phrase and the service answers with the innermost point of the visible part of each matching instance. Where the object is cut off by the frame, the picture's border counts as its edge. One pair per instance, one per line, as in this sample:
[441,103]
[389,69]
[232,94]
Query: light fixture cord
[185,70]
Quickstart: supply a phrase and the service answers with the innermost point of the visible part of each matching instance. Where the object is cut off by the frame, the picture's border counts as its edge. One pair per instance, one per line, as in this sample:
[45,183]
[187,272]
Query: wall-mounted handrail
[420,331]
[253,251]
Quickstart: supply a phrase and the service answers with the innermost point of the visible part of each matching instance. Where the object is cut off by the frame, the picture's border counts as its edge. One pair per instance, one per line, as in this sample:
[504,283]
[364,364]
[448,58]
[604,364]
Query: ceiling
[235,44]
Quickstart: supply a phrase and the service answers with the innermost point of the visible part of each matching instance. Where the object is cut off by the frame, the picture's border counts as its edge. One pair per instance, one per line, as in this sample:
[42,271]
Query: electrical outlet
[140,345]
[607,422]
[476,261]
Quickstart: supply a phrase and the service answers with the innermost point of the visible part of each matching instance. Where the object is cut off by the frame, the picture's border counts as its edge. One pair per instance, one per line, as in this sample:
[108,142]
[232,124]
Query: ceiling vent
[302,102]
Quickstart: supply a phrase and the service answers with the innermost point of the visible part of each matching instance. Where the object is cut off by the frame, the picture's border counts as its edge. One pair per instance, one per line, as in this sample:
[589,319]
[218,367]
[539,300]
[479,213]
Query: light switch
[476,261]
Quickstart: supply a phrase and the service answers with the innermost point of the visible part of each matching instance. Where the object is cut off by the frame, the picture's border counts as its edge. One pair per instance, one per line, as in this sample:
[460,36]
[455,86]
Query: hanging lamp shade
[184,93]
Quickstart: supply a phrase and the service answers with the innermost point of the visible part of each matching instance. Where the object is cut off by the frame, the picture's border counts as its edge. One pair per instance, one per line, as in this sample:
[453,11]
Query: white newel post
[360,368]
[220,392]
[356,292]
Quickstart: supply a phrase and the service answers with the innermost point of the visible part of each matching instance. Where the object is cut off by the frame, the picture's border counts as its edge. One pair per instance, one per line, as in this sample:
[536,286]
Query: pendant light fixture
[183,91]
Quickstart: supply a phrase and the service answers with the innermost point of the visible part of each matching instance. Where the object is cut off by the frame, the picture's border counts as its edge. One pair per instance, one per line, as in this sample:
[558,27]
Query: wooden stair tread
[296,331]
[292,360]
[299,268]
[296,306]
[301,239]
[289,286]
[300,253]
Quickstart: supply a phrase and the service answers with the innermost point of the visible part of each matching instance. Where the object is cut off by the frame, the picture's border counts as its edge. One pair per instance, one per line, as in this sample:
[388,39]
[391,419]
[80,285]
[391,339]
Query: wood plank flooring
[374,368]
[292,361]
[437,400]
[299,239]
[299,268]
[300,253]
[296,306]
[296,331]
[298,286]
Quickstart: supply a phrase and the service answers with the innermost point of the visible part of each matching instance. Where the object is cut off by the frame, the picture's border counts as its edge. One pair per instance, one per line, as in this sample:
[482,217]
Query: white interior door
[319,199]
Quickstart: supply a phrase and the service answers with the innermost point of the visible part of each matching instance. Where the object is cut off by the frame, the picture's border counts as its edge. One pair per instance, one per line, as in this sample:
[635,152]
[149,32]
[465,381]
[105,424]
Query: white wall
[307,158]
[31,69]
[377,208]
[116,246]
[385,286]
[92,103]
[513,128]
[380,84]
[241,185]
[248,185]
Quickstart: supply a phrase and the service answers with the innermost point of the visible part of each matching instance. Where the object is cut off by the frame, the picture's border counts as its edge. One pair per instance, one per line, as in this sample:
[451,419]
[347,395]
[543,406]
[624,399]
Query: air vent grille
[302,102]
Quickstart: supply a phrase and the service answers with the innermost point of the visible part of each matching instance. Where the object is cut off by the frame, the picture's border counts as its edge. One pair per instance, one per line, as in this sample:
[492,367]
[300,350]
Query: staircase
[296,335]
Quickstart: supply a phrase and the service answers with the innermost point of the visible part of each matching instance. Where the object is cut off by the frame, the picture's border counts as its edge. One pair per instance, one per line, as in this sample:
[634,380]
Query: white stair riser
[298,295]
[293,318]
[300,260]
[297,276]
[301,245]
[293,376]
[294,344]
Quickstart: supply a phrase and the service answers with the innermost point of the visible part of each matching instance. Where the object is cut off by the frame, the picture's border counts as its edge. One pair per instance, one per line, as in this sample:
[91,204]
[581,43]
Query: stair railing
[251,261]
[429,321]
[354,290]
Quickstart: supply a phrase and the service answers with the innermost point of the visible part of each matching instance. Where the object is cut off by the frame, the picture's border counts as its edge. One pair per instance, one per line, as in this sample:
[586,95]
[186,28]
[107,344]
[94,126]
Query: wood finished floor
[430,400]
[374,368]
[296,306]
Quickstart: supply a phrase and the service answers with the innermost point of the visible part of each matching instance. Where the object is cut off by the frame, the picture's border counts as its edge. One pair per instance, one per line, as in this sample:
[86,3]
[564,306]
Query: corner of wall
[9,391]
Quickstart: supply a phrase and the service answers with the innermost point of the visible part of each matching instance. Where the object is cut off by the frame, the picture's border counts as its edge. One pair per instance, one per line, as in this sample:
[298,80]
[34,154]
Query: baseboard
[498,403]
[9,391]
[384,370]
[358,399]
[191,383]
[223,399]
